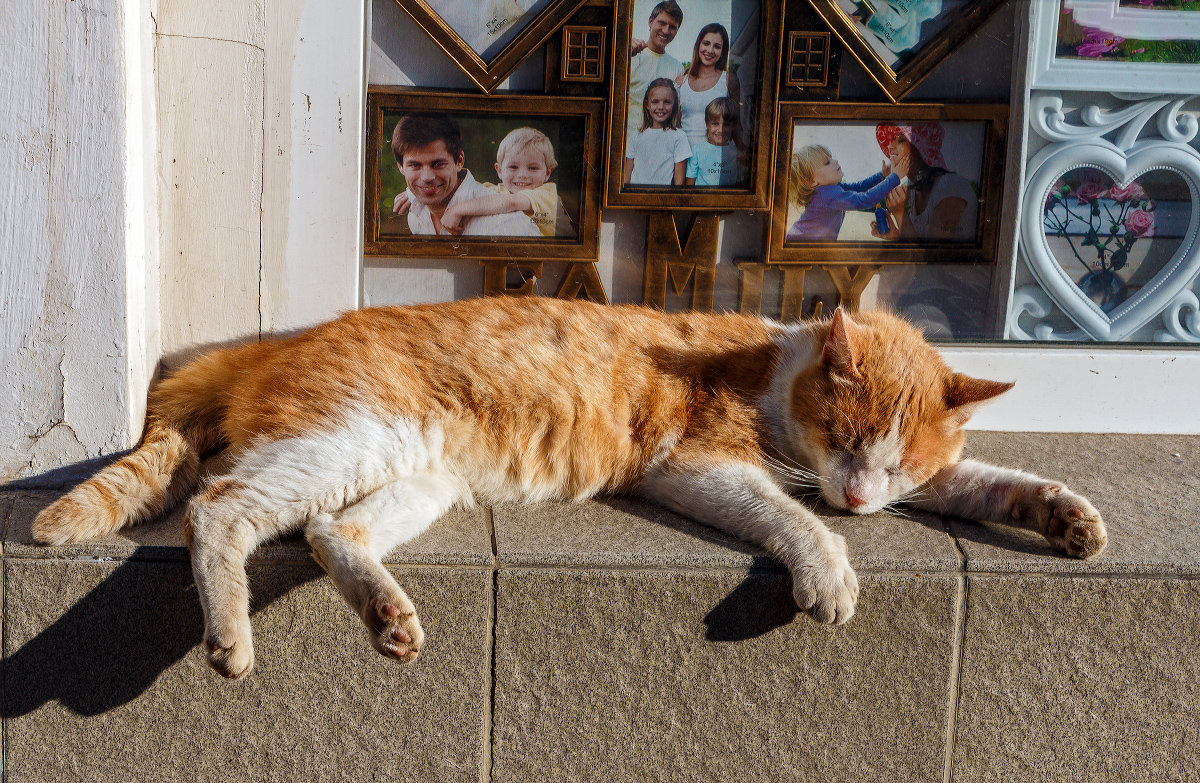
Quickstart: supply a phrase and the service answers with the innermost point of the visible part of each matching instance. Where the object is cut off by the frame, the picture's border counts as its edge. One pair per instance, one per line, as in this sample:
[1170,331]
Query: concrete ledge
[613,641]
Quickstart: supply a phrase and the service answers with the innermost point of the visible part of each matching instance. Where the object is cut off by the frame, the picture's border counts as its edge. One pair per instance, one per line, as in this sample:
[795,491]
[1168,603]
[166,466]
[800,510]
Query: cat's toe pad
[396,631]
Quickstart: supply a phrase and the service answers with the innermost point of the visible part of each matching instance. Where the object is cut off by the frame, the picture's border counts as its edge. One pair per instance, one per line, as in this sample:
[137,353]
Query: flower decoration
[1097,42]
[1089,209]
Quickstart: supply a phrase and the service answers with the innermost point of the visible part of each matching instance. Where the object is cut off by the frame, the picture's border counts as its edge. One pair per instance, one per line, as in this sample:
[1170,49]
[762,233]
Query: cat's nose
[854,501]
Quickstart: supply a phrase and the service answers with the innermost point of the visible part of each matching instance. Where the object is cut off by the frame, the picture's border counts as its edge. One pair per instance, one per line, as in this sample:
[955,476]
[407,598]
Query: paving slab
[106,680]
[1145,486]
[625,532]
[1079,679]
[691,675]
[462,536]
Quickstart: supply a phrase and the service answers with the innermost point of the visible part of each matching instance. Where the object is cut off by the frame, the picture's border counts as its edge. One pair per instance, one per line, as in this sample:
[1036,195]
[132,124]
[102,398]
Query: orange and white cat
[365,430]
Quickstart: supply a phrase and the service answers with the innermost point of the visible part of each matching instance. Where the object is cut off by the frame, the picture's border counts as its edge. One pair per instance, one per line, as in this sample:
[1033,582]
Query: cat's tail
[182,422]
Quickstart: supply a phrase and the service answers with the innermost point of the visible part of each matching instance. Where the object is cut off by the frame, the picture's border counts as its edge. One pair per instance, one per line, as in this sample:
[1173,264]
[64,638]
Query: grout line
[955,685]
[489,738]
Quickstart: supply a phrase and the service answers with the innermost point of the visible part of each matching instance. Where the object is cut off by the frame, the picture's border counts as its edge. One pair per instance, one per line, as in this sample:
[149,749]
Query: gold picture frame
[740,179]
[487,50]
[944,206]
[877,34]
[567,132]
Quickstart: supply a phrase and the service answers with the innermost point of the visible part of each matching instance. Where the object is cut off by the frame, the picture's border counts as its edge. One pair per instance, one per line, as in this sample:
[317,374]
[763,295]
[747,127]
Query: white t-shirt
[509,224]
[694,103]
[655,151]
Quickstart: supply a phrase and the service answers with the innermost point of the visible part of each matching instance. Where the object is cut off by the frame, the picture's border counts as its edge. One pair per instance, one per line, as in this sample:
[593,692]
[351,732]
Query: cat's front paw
[395,630]
[1067,520]
[230,653]
[827,589]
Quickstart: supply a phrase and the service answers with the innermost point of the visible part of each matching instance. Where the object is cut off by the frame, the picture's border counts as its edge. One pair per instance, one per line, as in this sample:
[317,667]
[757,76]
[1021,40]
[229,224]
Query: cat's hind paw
[395,630]
[827,590]
[1067,520]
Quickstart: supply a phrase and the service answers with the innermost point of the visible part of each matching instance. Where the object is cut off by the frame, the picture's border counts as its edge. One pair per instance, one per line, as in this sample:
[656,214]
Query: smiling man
[650,60]
[429,152]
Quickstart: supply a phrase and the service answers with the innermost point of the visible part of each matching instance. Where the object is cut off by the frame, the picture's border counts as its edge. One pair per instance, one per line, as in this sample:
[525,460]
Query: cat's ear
[844,346]
[965,394]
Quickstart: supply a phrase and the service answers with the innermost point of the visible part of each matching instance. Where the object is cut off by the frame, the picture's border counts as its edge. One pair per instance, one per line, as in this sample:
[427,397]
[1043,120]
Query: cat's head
[879,412]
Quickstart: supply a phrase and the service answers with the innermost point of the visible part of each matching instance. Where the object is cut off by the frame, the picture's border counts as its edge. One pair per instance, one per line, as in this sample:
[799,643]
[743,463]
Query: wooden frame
[491,66]
[752,189]
[573,126]
[898,73]
[1048,71]
[971,138]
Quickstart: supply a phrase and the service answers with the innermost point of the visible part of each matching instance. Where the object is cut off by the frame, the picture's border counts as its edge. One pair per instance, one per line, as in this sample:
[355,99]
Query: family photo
[481,175]
[688,120]
[912,181]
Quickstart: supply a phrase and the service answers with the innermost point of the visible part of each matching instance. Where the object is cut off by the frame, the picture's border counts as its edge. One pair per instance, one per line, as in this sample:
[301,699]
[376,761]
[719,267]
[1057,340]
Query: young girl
[814,180]
[658,153]
[718,159]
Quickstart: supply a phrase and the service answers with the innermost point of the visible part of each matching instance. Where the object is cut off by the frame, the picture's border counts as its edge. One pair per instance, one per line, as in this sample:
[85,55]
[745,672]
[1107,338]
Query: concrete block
[687,675]
[460,537]
[629,532]
[106,680]
[1079,679]
[1145,487]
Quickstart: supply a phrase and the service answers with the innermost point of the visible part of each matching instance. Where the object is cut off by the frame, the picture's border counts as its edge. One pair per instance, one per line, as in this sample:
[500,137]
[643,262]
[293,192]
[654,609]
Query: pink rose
[1092,186]
[1140,224]
[1130,192]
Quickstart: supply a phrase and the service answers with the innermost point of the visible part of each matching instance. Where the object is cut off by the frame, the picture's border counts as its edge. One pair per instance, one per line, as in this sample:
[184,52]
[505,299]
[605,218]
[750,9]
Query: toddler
[815,182]
[717,161]
[658,153]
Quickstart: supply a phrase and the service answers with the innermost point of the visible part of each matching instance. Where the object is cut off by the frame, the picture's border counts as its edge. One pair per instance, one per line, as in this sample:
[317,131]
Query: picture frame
[739,173]
[571,131]
[487,50]
[939,223]
[1049,71]
[875,30]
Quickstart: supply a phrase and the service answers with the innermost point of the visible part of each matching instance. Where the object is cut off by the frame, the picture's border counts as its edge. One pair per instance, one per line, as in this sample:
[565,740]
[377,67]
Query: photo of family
[887,183]
[688,122]
[897,30]
[488,25]
[911,181]
[455,175]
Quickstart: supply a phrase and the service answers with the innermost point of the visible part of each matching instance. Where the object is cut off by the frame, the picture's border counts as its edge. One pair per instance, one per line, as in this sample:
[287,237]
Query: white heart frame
[1047,167]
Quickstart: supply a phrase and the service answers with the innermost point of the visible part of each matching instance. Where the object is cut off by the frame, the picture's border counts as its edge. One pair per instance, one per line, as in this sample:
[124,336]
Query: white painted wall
[66,237]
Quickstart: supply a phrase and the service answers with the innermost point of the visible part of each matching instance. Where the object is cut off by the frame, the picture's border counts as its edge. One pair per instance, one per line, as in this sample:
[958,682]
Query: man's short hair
[670,8]
[522,138]
[421,130]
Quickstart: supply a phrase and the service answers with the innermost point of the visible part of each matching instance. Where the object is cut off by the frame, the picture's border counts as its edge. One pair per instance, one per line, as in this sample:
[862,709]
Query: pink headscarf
[926,137]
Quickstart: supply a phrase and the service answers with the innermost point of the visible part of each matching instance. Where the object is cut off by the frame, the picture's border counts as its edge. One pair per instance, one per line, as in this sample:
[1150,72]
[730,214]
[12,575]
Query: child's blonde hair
[673,121]
[800,175]
[519,139]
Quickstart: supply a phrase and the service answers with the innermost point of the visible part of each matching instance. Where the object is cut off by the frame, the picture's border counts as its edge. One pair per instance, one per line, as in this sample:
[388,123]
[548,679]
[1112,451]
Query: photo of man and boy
[685,109]
[442,197]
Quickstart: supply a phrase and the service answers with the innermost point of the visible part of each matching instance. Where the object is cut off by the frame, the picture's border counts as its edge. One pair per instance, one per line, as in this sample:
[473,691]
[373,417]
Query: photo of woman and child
[684,118]
[914,196]
[442,197]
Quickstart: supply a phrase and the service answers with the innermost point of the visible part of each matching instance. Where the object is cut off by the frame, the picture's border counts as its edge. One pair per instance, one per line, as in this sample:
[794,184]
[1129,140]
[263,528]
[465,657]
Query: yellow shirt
[548,212]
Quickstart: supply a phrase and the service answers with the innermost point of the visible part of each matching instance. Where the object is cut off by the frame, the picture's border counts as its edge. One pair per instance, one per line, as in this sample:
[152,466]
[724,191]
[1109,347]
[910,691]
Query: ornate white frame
[1048,72]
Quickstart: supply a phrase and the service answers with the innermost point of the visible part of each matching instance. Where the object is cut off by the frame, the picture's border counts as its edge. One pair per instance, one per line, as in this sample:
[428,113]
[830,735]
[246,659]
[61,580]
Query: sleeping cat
[365,430]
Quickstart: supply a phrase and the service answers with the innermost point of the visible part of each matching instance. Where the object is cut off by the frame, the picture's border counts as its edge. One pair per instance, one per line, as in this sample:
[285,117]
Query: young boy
[524,161]
[717,161]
